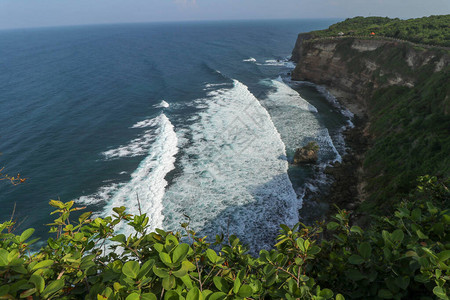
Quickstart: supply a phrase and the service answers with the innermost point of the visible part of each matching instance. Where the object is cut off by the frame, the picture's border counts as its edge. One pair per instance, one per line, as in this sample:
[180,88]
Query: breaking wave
[234,172]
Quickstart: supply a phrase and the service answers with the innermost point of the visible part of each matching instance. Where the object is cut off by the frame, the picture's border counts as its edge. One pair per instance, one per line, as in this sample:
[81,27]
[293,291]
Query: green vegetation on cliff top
[433,30]
[411,137]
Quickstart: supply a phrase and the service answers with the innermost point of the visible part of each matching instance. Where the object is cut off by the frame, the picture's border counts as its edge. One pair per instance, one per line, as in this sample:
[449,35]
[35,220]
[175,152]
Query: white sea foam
[297,121]
[251,59]
[210,86]
[101,196]
[147,123]
[234,172]
[278,63]
[162,104]
[147,181]
[140,145]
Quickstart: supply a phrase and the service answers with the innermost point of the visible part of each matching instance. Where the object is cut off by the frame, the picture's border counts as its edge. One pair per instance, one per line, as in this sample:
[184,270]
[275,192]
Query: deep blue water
[82,119]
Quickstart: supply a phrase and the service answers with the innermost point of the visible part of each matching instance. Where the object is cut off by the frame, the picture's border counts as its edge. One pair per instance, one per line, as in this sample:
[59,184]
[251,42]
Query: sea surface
[193,119]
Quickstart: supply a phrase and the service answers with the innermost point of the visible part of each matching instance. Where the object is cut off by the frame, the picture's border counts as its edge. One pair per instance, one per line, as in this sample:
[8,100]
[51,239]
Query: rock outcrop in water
[306,154]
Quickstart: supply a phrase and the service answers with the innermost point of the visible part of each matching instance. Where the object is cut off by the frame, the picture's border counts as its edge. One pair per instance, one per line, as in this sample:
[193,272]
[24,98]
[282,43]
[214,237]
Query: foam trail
[138,146]
[147,181]
[297,121]
[163,104]
[102,195]
[234,172]
[278,63]
[251,59]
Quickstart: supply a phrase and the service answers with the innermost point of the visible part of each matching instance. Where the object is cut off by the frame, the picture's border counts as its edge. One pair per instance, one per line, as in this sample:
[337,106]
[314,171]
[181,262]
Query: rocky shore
[347,189]
[344,183]
[353,70]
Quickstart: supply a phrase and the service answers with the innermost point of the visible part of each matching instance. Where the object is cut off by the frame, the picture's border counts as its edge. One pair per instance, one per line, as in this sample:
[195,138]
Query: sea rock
[305,156]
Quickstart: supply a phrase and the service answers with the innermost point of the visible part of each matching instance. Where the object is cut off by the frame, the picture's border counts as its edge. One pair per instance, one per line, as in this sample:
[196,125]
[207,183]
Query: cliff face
[353,68]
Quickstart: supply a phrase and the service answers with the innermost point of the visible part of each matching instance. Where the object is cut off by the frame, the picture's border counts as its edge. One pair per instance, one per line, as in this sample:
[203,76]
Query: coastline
[341,182]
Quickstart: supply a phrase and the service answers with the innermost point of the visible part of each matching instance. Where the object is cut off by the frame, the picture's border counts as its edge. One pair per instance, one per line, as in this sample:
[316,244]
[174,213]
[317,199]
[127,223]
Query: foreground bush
[402,256]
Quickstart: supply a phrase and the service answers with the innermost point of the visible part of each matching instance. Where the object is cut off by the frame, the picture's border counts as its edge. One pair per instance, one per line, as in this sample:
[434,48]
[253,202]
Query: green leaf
[365,250]
[131,269]
[421,278]
[402,282]
[53,287]
[339,297]
[221,284]
[236,285]
[171,295]
[206,293]
[194,294]
[188,266]
[326,293]
[440,292]
[27,293]
[416,214]
[133,296]
[180,273]
[84,216]
[411,254]
[4,290]
[148,296]
[169,282]
[4,257]
[212,256]
[443,255]
[301,244]
[355,259]
[421,235]
[187,281]
[180,253]
[26,234]
[38,281]
[385,294]
[160,272]
[332,225]
[397,236]
[43,264]
[357,229]
[165,258]
[57,204]
[314,250]
[119,238]
[217,296]
[146,267]
[245,291]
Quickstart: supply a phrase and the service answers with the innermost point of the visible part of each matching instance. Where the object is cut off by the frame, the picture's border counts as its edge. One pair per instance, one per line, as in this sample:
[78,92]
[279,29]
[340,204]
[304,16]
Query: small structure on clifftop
[307,154]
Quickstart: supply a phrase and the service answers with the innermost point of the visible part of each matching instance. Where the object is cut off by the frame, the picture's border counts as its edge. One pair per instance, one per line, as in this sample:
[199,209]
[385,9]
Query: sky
[38,13]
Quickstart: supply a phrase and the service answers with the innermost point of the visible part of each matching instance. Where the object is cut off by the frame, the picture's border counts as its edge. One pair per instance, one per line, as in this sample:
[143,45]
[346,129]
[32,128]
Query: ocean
[194,119]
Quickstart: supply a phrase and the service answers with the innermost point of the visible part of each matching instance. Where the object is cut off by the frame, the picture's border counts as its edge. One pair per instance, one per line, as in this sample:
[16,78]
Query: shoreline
[344,184]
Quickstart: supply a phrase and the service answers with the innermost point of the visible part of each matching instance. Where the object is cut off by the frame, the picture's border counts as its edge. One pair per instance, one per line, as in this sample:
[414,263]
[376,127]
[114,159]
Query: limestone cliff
[353,68]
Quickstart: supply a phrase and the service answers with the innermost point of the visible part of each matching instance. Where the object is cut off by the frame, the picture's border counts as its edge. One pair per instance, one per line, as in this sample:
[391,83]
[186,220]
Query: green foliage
[403,256]
[433,30]
[410,129]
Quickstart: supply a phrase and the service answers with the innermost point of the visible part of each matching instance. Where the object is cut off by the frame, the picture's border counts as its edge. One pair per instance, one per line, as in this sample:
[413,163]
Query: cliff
[402,89]
[354,68]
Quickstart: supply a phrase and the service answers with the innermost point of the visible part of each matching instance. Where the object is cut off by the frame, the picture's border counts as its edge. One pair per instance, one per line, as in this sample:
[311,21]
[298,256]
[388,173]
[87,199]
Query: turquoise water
[192,118]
